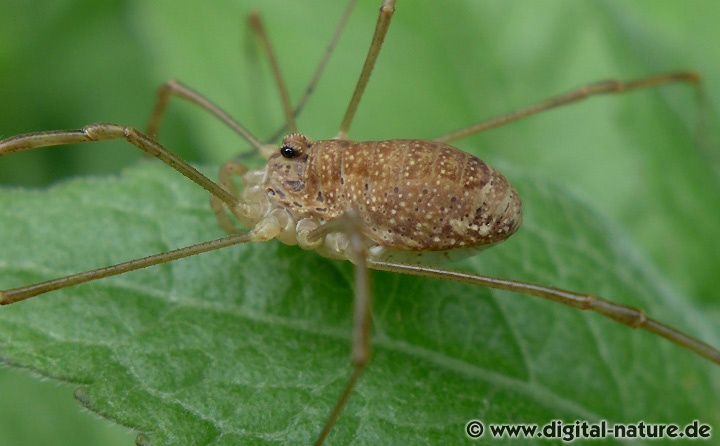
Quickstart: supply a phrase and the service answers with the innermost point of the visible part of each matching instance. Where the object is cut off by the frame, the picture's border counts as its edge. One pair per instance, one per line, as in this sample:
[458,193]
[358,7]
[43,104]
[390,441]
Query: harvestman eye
[287,152]
[345,204]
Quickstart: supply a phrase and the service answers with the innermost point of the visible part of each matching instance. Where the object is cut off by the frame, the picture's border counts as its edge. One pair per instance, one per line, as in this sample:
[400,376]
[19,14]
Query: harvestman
[367,202]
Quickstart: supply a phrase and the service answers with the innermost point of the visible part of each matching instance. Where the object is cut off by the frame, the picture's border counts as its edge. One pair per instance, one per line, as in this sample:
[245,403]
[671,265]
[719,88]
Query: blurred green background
[66,63]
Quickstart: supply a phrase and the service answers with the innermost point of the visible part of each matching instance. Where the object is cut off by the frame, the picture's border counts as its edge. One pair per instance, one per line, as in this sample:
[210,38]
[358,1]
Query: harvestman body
[383,185]
[388,205]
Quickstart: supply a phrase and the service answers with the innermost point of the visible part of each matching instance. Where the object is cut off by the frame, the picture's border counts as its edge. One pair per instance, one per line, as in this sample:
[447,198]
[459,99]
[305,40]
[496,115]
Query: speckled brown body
[412,195]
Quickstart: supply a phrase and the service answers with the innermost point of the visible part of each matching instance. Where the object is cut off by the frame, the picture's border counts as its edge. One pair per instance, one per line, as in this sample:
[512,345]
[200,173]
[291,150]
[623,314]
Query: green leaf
[251,344]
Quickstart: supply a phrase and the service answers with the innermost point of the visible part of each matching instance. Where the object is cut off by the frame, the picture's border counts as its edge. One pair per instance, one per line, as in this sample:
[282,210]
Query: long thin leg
[178,89]
[319,70]
[383,23]
[105,131]
[362,317]
[21,293]
[603,87]
[632,317]
[259,28]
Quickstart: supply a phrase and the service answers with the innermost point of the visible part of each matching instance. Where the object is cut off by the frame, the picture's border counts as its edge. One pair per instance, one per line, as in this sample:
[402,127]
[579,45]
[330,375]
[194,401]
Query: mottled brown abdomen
[418,195]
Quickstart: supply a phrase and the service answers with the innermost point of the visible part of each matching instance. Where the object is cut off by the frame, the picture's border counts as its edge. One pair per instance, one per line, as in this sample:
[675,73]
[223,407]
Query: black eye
[287,152]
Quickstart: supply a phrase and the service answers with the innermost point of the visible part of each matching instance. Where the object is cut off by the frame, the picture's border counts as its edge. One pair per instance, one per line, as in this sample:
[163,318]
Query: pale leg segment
[225,180]
[362,313]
